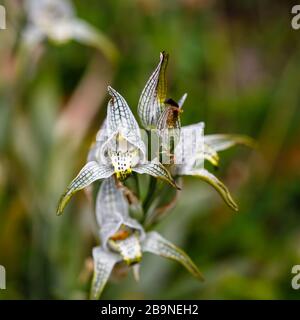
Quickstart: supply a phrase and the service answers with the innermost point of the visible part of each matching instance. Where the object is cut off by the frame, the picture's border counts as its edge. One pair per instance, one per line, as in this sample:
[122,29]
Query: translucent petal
[214,182]
[189,151]
[50,10]
[182,100]
[32,36]
[95,152]
[157,245]
[168,126]
[156,170]
[211,155]
[91,172]
[152,99]
[112,211]
[104,263]
[120,120]
[220,142]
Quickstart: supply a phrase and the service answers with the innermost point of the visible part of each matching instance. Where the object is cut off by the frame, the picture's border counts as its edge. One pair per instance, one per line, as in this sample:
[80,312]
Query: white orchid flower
[123,239]
[119,150]
[190,155]
[157,112]
[57,21]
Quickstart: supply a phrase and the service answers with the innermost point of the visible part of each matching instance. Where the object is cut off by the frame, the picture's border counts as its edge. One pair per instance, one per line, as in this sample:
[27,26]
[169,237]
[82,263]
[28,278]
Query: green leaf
[91,172]
[158,245]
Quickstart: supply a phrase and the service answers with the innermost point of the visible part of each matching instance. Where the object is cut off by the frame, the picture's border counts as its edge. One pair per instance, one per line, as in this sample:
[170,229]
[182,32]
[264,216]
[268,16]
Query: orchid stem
[150,194]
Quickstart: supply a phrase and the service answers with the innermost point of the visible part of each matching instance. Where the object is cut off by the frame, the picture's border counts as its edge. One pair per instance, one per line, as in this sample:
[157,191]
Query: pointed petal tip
[164,56]
[177,186]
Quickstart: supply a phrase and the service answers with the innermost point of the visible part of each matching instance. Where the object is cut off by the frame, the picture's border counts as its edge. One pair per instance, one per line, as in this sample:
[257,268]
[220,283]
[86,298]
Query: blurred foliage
[239,62]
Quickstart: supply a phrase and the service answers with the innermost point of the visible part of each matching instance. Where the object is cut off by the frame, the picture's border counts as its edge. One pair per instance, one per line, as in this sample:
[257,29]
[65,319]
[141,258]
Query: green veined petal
[211,155]
[121,120]
[168,126]
[189,151]
[104,263]
[216,183]
[91,172]
[110,200]
[152,99]
[112,211]
[157,245]
[220,142]
[156,170]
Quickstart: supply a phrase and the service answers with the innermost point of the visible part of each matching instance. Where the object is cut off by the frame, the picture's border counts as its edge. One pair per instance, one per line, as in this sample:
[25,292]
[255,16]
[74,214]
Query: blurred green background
[239,61]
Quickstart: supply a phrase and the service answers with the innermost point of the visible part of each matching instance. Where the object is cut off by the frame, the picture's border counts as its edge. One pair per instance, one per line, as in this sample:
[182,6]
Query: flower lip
[129,247]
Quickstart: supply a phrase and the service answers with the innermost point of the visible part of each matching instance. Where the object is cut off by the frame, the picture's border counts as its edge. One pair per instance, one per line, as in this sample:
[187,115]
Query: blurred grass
[239,63]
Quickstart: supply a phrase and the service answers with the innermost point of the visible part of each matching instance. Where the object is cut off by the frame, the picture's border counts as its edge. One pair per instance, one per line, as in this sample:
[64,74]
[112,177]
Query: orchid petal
[95,150]
[182,100]
[220,142]
[91,172]
[129,248]
[56,9]
[211,155]
[152,99]
[104,263]
[156,170]
[121,120]
[32,36]
[112,211]
[168,126]
[216,183]
[189,151]
[156,244]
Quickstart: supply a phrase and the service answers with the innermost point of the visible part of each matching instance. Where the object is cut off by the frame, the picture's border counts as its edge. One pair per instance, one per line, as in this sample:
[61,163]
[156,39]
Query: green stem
[137,185]
[150,194]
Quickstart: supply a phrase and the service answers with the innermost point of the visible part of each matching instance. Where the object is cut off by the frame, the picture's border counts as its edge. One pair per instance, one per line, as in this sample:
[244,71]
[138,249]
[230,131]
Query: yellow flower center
[127,243]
